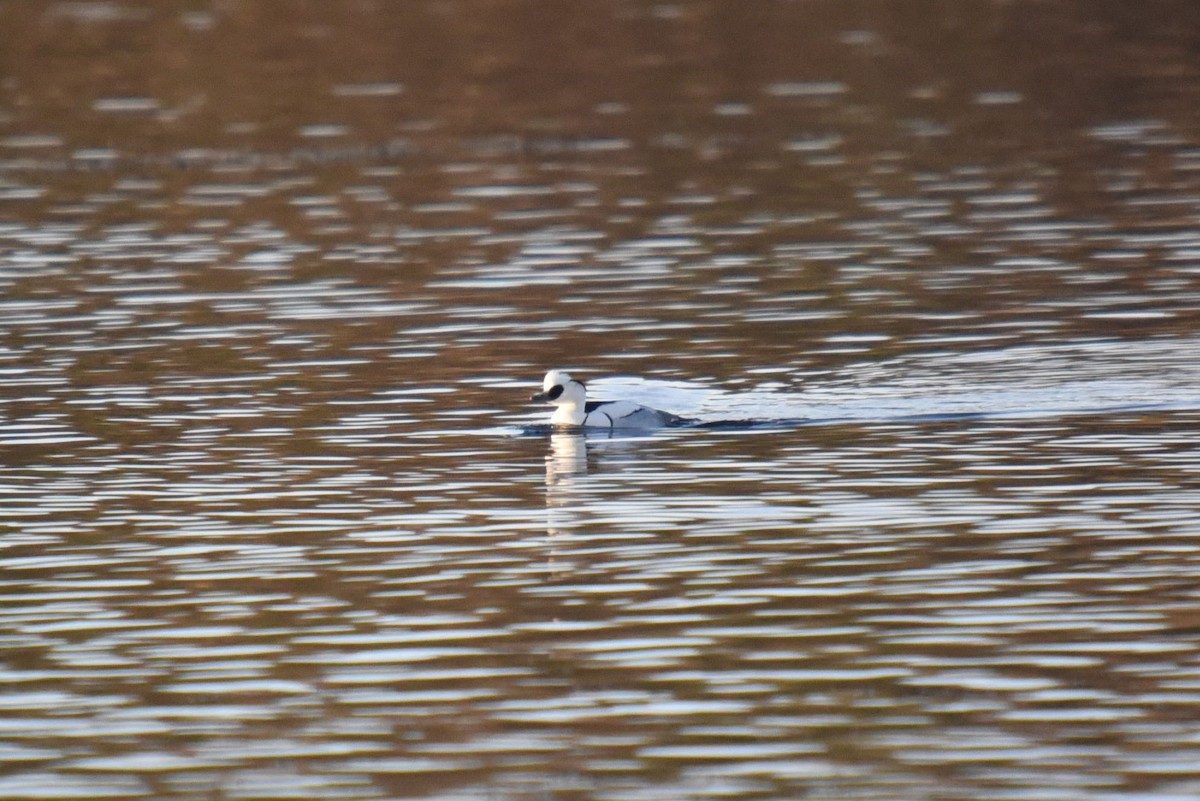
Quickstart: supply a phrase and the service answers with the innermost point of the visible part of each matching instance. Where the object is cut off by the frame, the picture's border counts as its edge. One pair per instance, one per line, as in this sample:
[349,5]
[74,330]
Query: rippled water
[277,520]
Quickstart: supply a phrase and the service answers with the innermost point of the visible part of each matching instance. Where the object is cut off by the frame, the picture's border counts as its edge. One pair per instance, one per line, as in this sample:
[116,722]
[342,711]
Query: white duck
[574,409]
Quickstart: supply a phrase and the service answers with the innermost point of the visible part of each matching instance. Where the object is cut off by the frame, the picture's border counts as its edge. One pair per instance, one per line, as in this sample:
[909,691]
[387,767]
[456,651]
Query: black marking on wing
[592,406]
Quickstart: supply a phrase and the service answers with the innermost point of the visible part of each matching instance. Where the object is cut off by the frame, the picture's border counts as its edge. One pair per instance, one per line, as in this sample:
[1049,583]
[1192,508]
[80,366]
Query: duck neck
[568,414]
[571,409]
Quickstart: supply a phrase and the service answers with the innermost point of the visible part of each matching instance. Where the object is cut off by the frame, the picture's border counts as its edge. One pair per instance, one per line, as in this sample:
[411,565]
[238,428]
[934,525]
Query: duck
[569,395]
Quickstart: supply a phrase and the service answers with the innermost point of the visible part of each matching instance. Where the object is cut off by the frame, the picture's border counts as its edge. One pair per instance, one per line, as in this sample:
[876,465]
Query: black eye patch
[555,392]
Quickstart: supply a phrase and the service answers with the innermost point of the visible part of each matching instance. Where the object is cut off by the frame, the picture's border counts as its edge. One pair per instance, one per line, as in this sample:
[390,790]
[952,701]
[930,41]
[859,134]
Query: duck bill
[541,397]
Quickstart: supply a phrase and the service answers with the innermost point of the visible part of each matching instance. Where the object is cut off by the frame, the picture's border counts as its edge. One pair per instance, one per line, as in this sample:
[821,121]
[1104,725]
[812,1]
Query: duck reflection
[579,468]
[566,474]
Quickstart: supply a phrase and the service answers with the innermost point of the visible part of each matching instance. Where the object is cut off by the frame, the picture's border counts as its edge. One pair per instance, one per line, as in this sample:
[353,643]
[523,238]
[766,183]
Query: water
[277,520]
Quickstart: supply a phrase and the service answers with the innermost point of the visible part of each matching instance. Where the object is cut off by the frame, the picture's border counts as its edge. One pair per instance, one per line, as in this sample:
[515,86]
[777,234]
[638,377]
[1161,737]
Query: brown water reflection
[275,282]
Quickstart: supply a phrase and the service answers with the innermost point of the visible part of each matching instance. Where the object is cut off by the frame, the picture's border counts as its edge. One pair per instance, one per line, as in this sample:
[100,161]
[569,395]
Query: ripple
[125,105]
[56,785]
[280,522]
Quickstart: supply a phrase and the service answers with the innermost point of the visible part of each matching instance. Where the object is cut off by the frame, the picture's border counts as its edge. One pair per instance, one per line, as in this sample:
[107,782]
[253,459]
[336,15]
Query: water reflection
[273,287]
[566,470]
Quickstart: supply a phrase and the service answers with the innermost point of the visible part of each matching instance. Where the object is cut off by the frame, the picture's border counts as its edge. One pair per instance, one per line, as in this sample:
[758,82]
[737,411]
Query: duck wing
[625,414]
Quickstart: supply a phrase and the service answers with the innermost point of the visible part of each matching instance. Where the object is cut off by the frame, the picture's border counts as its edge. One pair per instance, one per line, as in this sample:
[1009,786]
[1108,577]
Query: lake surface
[277,520]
